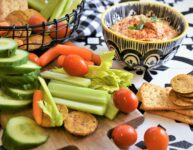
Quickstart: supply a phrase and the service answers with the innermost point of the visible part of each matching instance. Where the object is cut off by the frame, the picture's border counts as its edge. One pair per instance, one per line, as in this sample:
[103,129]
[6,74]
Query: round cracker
[35,42]
[80,123]
[186,95]
[178,100]
[182,83]
[31,12]
[17,16]
[46,122]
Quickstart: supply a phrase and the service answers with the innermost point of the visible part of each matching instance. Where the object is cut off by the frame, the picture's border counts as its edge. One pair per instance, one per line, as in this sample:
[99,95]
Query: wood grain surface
[62,140]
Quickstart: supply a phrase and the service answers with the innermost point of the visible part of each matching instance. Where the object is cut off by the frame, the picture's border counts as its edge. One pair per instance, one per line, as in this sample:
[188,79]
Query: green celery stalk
[36,4]
[49,8]
[81,94]
[90,108]
[66,78]
[49,107]
[58,10]
[111,111]
[72,4]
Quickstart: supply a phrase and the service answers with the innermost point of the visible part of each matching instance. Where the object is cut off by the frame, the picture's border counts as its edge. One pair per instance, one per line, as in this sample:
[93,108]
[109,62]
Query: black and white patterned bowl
[136,54]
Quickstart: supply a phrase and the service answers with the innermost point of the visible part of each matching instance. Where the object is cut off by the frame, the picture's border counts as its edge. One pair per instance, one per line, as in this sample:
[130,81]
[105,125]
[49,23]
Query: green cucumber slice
[8,103]
[20,79]
[7,47]
[24,68]
[22,133]
[20,57]
[25,86]
[18,93]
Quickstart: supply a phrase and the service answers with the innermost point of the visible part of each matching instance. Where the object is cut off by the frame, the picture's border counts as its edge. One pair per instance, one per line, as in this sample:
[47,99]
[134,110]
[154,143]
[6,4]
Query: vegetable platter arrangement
[67,96]
[39,24]
[68,89]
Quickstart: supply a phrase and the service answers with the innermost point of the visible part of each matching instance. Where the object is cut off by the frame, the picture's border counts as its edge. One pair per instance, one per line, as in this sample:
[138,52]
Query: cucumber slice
[20,79]
[8,103]
[18,93]
[25,86]
[20,57]
[24,68]
[7,47]
[22,133]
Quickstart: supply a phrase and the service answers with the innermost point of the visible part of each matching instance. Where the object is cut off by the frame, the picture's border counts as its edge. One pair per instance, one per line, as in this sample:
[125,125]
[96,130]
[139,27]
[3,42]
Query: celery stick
[36,4]
[111,111]
[49,8]
[56,116]
[58,10]
[66,78]
[90,108]
[81,94]
[72,4]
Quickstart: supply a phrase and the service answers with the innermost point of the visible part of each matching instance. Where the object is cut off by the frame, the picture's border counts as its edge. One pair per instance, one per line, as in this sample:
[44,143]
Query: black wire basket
[42,40]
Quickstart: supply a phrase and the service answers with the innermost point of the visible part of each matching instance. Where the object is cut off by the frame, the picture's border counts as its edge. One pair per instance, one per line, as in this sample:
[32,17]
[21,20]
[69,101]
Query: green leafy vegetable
[104,78]
[49,106]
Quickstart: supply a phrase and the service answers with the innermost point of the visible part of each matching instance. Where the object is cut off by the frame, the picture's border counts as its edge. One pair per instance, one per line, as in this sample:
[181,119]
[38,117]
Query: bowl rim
[140,41]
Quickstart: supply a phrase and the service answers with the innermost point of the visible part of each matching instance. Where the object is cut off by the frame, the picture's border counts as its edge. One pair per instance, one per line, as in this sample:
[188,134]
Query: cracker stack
[175,102]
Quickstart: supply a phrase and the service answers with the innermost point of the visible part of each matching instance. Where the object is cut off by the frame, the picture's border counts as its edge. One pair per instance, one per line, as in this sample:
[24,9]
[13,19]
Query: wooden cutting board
[62,140]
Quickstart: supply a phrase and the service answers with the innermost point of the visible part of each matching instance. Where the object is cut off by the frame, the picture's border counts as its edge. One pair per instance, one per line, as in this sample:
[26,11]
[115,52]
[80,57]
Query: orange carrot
[37,111]
[59,49]
[60,60]
[33,57]
[89,62]
[4,23]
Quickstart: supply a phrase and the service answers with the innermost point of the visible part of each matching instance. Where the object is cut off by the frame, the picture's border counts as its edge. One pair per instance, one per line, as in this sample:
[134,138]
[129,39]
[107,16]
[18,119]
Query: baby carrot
[59,49]
[37,111]
[60,60]
[33,57]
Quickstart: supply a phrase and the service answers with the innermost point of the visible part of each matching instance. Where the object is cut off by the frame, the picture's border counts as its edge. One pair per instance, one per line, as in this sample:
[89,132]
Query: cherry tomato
[156,138]
[62,30]
[124,136]
[75,65]
[125,100]
[33,57]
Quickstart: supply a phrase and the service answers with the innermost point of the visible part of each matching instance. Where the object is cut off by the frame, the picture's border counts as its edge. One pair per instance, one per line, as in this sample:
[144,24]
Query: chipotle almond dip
[141,27]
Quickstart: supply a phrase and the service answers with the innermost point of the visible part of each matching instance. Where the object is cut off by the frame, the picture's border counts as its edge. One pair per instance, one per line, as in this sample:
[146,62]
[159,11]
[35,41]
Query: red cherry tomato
[33,57]
[125,100]
[156,138]
[124,136]
[75,65]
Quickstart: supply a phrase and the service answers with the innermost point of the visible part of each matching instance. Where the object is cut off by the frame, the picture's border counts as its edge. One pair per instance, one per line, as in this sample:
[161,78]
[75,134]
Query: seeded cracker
[187,112]
[154,97]
[178,100]
[190,96]
[80,123]
[182,83]
[174,116]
